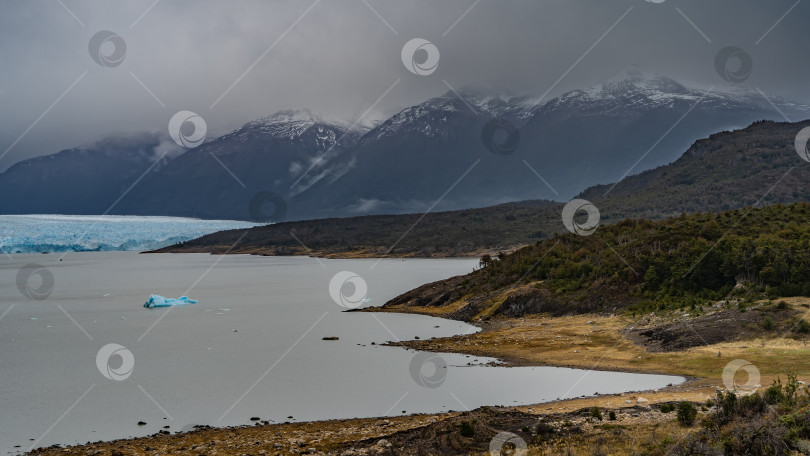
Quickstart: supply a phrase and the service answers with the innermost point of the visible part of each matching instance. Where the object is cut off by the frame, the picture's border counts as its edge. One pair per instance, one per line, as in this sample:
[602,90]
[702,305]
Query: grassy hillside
[725,171]
[640,265]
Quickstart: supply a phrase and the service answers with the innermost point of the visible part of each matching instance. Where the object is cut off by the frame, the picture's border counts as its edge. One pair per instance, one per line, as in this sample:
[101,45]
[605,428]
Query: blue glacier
[40,233]
[159,301]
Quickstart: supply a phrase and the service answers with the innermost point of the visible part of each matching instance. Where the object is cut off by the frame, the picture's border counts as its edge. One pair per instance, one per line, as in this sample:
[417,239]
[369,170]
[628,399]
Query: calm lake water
[251,347]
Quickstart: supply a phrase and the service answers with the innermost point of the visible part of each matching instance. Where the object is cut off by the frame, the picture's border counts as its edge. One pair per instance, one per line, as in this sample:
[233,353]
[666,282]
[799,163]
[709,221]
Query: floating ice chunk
[159,301]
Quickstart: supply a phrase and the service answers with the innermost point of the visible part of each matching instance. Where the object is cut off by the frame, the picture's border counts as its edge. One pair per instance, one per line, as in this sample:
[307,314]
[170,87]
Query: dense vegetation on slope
[774,422]
[639,264]
[726,171]
[456,233]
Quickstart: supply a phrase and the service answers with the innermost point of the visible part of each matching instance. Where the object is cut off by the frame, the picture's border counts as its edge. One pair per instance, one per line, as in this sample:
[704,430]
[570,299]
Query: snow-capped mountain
[321,167]
[284,153]
[631,122]
[427,118]
[638,120]
[82,180]
[293,124]
[634,91]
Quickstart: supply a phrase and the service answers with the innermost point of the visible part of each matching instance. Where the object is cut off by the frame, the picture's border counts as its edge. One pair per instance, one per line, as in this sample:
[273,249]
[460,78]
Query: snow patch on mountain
[637,90]
[297,125]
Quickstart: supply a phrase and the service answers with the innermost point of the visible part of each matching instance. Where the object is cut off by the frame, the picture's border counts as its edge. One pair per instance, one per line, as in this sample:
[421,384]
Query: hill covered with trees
[642,265]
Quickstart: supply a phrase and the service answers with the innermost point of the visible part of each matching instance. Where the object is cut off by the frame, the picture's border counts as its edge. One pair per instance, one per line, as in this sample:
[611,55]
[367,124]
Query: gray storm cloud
[234,61]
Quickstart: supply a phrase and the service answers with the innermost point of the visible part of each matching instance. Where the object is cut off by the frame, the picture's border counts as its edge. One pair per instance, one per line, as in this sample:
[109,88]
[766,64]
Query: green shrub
[767,323]
[612,415]
[803,327]
[687,413]
[467,429]
[759,424]
[543,428]
[596,413]
[666,408]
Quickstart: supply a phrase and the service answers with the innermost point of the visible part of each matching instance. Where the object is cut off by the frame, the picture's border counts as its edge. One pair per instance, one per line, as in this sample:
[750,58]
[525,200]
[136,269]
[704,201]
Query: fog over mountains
[469,148]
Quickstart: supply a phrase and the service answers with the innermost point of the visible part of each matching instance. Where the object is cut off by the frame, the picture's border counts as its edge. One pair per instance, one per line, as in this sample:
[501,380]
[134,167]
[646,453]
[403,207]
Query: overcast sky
[339,57]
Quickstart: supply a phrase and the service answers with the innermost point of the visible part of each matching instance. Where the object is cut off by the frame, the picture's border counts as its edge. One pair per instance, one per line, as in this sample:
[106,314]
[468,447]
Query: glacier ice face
[159,301]
[82,233]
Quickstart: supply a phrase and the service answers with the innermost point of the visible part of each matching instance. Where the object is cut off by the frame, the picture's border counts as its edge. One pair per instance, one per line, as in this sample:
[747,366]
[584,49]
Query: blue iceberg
[159,301]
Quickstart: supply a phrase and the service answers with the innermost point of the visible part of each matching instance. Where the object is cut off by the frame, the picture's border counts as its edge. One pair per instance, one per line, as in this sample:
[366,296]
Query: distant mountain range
[462,150]
[756,166]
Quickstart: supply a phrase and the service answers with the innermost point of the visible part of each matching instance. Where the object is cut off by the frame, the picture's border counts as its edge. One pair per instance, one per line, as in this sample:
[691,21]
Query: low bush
[687,413]
[775,422]
[466,429]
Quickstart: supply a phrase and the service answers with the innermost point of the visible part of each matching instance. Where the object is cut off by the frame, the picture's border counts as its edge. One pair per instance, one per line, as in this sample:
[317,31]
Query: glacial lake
[252,347]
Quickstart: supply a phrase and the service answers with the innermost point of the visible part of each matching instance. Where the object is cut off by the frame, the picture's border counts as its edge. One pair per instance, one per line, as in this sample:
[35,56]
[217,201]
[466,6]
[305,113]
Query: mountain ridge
[326,168]
[728,170]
